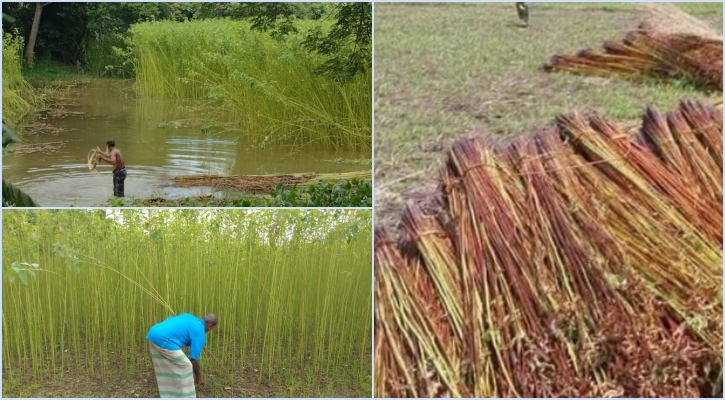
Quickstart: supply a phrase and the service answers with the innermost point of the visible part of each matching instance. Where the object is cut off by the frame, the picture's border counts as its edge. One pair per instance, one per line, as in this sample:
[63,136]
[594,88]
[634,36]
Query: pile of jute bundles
[583,259]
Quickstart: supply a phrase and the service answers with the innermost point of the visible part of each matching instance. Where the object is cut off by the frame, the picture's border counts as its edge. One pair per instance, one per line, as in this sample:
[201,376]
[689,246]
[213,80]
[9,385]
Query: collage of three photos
[362,199]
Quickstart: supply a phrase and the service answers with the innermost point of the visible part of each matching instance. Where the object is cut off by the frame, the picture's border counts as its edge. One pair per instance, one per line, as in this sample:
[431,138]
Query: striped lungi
[119,176]
[174,373]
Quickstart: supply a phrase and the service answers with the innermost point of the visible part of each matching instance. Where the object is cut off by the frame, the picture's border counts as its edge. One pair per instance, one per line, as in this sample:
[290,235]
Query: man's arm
[107,157]
[197,372]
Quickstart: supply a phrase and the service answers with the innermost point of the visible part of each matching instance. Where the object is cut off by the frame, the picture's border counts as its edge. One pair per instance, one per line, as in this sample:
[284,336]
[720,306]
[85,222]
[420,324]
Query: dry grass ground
[446,69]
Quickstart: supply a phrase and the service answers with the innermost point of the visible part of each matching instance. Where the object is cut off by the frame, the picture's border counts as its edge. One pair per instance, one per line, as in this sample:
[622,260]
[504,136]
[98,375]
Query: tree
[348,45]
[30,48]
[61,34]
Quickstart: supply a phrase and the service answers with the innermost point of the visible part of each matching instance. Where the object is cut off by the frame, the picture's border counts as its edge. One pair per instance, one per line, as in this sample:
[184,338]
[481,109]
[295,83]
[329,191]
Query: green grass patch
[46,73]
[701,8]
[268,86]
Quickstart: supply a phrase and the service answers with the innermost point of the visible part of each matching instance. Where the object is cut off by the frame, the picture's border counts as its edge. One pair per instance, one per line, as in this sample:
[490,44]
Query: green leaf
[9,136]
[23,277]
[8,18]
[58,249]
[29,264]
[16,197]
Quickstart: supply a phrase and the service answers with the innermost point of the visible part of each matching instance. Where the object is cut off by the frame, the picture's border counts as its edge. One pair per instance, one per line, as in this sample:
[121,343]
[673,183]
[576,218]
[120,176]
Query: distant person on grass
[173,369]
[113,157]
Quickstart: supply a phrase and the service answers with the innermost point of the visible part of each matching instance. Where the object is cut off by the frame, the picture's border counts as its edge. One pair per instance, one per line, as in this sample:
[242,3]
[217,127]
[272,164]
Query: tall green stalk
[274,278]
[268,87]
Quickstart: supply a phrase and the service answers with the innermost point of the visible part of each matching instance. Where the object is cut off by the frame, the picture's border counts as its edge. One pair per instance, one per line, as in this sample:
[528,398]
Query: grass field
[445,70]
[291,289]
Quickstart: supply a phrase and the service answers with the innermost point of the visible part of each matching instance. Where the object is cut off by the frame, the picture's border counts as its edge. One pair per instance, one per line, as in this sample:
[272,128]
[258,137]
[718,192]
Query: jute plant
[292,290]
[18,96]
[268,87]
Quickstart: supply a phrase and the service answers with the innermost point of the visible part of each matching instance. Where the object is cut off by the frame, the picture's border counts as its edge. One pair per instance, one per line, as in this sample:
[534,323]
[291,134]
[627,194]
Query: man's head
[111,143]
[210,322]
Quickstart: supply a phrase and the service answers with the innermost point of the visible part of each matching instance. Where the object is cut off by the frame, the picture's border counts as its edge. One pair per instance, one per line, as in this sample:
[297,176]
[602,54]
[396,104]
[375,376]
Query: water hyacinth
[582,260]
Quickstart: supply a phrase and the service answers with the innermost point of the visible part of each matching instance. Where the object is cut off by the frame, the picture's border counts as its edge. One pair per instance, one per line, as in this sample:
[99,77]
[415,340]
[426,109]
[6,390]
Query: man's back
[118,162]
[179,331]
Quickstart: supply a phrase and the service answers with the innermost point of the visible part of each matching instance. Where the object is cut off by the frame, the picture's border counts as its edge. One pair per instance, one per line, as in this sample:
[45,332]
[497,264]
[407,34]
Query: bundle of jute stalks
[580,260]
[652,53]
[265,183]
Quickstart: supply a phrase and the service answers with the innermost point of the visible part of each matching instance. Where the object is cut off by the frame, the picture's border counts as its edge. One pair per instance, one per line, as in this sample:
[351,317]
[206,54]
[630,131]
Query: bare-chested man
[113,157]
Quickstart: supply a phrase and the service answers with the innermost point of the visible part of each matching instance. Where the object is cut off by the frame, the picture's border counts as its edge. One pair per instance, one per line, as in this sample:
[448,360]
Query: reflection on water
[153,149]
[200,156]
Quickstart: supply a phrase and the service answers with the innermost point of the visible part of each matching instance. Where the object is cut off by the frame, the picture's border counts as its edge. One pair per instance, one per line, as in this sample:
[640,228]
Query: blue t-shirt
[180,331]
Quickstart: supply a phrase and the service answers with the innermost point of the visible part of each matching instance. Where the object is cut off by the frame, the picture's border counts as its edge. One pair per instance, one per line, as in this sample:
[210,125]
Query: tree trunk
[30,47]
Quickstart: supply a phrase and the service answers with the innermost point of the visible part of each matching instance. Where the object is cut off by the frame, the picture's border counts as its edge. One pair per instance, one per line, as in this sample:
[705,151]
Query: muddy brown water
[158,139]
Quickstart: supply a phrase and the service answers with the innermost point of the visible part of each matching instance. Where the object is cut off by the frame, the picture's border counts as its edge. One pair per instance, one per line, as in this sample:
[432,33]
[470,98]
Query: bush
[353,193]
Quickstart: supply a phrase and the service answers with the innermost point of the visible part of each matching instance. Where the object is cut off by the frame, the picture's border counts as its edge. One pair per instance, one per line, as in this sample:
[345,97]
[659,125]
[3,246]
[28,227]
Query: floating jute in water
[265,183]
[582,260]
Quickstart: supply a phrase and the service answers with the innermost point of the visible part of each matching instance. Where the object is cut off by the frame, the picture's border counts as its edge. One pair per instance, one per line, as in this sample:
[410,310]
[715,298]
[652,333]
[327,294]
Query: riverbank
[300,190]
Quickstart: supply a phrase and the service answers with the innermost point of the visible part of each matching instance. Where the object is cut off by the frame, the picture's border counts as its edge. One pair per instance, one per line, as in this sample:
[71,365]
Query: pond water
[158,139]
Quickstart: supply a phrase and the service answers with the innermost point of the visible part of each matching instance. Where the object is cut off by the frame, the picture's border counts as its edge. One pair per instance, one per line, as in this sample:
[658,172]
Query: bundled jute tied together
[93,159]
[646,52]
[579,261]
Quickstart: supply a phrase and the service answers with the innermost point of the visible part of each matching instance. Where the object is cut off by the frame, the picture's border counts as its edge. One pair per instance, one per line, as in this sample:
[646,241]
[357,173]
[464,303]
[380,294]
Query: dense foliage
[292,290]
[82,34]
[297,73]
[18,96]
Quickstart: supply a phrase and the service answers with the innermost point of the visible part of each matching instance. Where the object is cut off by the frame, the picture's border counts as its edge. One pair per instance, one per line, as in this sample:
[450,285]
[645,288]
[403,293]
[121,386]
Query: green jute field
[291,289]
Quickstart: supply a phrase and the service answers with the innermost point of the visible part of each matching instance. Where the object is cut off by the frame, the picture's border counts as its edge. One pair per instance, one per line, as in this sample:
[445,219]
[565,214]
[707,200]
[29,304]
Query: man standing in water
[173,369]
[113,157]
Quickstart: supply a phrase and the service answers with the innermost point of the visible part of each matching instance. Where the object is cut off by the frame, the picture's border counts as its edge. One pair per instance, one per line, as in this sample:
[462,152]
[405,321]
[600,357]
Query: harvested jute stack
[578,261]
[647,52]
